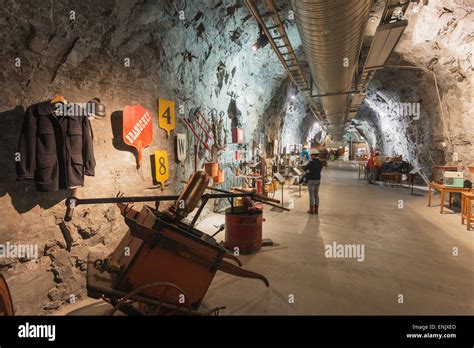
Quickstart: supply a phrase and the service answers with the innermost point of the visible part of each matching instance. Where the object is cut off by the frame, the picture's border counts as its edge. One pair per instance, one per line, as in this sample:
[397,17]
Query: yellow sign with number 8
[161,166]
[166,115]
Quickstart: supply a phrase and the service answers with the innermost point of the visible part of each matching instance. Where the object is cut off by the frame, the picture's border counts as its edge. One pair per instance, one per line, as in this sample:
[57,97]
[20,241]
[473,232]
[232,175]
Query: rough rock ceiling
[202,60]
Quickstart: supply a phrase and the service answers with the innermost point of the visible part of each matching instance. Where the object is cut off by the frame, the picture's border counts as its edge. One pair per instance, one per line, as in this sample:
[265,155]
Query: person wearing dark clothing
[369,166]
[313,172]
[55,150]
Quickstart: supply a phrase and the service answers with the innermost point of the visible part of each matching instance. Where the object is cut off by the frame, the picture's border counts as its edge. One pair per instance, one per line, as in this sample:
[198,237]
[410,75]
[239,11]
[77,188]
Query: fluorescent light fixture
[357,99]
[385,39]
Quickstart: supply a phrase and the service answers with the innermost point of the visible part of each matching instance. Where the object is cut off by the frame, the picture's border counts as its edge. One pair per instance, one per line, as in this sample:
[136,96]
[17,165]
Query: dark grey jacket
[55,151]
[313,169]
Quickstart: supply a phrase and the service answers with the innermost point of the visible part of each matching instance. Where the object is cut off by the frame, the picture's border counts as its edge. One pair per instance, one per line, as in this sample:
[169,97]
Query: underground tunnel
[270,157]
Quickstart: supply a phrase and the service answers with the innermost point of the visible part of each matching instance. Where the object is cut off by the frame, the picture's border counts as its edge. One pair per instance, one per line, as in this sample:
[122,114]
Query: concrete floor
[408,252]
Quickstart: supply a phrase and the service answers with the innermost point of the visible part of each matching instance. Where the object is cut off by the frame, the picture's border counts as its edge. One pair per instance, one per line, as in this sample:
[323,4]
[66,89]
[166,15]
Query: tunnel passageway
[408,252]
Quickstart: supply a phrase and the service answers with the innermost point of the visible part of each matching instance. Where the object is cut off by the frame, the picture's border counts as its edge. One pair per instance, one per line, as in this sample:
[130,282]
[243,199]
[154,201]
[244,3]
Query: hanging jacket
[55,151]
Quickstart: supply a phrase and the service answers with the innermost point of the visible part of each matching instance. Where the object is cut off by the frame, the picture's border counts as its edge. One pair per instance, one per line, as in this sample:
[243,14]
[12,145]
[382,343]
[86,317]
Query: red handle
[204,130]
[195,134]
[205,119]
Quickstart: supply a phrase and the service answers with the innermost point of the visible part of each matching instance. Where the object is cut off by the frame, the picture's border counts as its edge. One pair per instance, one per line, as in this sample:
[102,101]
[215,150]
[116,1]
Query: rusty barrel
[243,230]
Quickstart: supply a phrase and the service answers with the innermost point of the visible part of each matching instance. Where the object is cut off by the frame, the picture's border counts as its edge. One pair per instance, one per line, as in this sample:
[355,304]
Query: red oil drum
[259,186]
[243,230]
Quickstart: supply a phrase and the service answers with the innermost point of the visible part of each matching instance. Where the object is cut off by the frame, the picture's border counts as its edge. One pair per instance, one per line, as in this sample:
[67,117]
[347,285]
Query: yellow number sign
[161,166]
[166,115]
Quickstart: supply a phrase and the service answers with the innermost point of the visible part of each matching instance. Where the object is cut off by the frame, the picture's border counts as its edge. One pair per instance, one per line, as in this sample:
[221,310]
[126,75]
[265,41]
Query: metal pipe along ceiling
[332,30]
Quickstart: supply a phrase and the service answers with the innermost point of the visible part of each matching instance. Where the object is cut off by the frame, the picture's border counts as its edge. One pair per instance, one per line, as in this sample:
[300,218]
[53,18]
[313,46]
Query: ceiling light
[385,39]
[261,42]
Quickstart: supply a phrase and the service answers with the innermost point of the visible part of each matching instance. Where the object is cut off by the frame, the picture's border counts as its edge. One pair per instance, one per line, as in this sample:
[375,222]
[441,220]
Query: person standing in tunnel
[313,172]
[369,166]
[377,166]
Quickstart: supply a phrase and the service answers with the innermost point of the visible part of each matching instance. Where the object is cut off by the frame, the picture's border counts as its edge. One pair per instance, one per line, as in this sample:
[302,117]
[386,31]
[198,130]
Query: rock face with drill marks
[439,37]
[197,53]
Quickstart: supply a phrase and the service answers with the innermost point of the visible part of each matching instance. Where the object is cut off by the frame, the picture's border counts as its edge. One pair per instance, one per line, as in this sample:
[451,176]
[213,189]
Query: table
[466,210]
[393,178]
[411,180]
[442,190]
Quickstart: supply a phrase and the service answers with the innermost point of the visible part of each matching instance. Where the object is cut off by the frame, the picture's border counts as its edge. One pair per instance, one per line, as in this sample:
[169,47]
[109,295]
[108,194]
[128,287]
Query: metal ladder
[284,50]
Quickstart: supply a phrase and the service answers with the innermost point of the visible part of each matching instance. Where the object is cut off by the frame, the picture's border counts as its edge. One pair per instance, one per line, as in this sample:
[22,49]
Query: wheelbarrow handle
[73,202]
[229,268]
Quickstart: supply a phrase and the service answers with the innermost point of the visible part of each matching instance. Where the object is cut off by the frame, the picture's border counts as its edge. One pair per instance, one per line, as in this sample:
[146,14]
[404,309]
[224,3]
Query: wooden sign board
[6,303]
[166,115]
[137,128]
[161,166]
[181,146]
[297,171]
[279,178]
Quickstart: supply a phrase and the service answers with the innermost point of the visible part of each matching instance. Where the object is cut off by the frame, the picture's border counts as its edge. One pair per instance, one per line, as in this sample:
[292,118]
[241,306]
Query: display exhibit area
[228,158]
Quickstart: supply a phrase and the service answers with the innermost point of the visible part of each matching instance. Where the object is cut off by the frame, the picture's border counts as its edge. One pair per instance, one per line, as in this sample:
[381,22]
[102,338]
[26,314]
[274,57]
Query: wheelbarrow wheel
[172,309]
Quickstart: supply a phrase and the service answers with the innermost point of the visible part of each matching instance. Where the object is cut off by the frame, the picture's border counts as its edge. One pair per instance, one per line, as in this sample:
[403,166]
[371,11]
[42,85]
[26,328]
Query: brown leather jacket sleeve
[88,148]
[26,166]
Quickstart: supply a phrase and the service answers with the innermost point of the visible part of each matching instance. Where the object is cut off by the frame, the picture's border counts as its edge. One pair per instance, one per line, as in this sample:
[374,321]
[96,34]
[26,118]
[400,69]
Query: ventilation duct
[332,33]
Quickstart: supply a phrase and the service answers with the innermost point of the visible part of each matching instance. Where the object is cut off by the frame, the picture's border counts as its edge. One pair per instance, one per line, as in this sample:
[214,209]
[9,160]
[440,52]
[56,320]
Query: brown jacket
[55,151]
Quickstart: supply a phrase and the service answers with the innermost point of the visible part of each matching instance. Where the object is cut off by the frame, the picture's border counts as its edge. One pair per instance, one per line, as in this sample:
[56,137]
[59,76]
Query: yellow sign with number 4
[166,115]
[161,166]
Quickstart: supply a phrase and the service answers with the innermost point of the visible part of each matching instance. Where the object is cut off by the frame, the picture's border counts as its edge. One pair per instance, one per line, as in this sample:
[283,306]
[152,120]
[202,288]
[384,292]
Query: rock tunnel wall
[399,118]
[438,38]
[196,53]
[288,118]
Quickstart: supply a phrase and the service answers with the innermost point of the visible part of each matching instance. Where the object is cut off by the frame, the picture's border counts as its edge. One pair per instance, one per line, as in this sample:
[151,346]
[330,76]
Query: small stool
[466,209]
